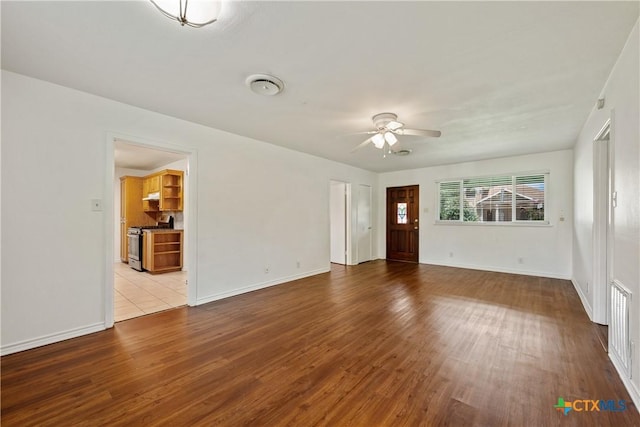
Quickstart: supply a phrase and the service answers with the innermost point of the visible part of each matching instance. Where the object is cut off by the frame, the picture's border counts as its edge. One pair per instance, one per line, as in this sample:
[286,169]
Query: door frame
[603,168]
[109,217]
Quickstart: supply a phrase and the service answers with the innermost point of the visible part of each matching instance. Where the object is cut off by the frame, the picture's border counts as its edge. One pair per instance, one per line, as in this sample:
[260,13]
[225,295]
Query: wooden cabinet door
[402,223]
[154,184]
[131,210]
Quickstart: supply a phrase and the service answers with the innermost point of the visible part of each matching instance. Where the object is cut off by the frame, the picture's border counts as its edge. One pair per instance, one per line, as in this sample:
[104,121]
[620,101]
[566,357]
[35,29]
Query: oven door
[135,250]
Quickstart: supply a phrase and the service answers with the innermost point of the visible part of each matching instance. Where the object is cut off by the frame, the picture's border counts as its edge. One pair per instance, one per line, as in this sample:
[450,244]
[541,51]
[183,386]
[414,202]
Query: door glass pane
[402,213]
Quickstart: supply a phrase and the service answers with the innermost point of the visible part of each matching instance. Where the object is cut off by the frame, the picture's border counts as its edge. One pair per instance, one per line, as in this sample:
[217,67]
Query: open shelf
[163,250]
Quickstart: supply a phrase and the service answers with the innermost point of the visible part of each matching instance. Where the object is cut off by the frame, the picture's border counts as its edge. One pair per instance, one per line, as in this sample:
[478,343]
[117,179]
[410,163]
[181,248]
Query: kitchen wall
[259,206]
[545,250]
[622,100]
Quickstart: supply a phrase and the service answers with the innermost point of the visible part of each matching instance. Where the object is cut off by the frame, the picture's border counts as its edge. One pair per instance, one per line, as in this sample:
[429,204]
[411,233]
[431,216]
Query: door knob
[415,228]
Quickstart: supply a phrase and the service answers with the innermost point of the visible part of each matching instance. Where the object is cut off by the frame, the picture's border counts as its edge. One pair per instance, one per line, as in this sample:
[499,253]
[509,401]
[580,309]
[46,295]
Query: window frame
[514,218]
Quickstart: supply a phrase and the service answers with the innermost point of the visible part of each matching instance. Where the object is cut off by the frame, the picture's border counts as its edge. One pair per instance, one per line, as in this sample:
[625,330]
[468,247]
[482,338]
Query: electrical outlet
[587,287]
[298,264]
[266,270]
[450,254]
[520,260]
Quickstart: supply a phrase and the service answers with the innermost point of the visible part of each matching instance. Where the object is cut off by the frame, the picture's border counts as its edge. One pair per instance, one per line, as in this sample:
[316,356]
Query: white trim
[51,338]
[520,223]
[497,269]
[628,384]
[583,298]
[600,229]
[109,229]
[258,286]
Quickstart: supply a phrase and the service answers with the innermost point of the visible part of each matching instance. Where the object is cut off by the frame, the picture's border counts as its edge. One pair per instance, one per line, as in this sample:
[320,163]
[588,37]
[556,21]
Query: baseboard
[50,339]
[258,286]
[583,299]
[628,384]
[498,269]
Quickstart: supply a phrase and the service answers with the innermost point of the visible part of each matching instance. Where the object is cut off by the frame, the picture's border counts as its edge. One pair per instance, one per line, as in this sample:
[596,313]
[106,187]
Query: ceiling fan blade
[368,132]
[365,142]
[419,132]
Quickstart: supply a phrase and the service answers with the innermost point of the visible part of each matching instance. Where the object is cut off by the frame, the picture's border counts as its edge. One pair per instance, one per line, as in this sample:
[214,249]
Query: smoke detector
[264,84]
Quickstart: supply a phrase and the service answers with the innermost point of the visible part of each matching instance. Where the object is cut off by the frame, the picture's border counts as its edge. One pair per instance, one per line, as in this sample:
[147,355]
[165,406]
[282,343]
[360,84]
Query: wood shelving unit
[169,183]
[162,250]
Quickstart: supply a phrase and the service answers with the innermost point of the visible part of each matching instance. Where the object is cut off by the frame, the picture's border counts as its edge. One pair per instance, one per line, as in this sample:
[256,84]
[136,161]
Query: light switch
[96,205]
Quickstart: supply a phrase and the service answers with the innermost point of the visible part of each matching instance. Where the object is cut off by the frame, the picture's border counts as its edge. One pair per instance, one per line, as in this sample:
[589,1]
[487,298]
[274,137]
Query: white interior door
[338,222]
[364,223]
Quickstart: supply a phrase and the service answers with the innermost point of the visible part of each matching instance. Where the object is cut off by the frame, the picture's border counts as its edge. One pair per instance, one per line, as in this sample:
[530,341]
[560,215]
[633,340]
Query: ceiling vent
[403,152]
[264,84]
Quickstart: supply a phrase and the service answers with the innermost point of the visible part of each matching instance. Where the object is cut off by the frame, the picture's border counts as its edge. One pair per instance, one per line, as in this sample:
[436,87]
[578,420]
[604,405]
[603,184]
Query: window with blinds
[493,199]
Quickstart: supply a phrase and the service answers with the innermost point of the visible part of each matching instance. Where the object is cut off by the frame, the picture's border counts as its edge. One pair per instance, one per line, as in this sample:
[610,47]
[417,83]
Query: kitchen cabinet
[162,250]
[131,212]
[163,191]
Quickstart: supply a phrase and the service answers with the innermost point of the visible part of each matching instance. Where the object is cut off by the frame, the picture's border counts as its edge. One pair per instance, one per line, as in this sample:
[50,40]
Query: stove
[134,234]
[149,227]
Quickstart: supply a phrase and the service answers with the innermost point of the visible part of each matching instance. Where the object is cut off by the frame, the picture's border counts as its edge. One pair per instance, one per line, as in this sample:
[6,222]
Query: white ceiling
[132,156]
[497,78]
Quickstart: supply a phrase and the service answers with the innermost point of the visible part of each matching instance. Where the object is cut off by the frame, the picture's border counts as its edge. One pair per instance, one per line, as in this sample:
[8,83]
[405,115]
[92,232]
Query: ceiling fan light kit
[192,13]
[387,127]
[390,138]
[378,140]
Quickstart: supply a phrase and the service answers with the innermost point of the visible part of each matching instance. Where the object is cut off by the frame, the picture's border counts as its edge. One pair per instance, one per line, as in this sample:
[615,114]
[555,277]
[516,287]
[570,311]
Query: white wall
[622,97]
[258,205]
[545,250]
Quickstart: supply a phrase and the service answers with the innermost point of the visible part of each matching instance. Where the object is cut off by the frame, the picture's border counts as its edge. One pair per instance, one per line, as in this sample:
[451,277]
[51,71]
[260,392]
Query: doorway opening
[402,223]
[151,217]
[339,213]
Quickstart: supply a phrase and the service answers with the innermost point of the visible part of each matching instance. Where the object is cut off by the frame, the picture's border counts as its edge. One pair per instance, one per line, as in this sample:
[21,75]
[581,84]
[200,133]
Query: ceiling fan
[388,127]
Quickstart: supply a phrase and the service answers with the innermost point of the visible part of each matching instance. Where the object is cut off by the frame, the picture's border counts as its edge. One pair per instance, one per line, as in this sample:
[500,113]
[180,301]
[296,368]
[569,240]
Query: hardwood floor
[372,345]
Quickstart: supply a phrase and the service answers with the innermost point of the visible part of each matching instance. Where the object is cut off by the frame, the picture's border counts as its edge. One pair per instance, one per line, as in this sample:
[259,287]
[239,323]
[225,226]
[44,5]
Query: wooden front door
[402,223]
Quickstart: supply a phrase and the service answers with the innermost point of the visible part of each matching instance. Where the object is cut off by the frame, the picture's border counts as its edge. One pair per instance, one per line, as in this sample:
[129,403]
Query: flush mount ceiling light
[264,84]
[192,13]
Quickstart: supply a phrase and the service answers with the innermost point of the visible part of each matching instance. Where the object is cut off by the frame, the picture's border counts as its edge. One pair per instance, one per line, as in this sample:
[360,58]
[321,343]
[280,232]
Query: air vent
[403,152]
[264,84]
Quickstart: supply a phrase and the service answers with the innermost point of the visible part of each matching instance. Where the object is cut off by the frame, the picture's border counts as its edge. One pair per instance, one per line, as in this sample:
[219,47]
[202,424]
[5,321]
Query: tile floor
[139,293]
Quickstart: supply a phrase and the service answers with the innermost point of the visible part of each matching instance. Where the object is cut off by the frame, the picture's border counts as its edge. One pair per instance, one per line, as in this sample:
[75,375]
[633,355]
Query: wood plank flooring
[377,344]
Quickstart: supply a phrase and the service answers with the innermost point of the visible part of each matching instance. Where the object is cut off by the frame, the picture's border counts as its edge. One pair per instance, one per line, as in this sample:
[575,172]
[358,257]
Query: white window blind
[493,199]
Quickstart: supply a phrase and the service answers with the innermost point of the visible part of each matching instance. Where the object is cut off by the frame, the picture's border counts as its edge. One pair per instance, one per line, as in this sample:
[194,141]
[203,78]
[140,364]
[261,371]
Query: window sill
[497,224]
